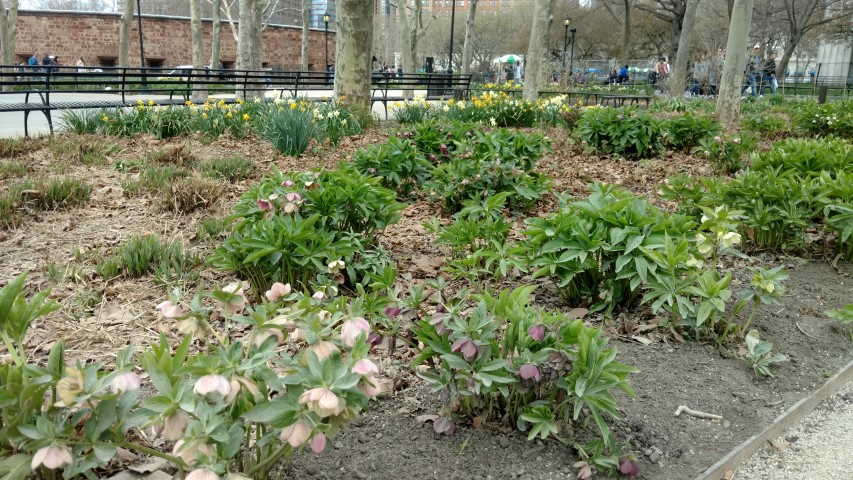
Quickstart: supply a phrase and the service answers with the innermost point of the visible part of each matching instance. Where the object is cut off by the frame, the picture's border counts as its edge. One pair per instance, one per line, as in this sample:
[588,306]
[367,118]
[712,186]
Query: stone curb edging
[726,466]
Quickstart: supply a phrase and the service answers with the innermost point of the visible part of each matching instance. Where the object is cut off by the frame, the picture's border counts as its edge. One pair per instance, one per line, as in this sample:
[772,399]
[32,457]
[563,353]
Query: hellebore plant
[234,409]
[503,360]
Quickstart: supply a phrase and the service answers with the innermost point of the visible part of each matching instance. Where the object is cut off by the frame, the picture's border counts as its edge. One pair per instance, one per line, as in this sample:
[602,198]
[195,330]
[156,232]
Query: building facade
[166,40]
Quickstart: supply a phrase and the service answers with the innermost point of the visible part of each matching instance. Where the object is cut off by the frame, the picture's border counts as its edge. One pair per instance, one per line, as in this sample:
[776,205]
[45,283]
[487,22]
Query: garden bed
[393,439]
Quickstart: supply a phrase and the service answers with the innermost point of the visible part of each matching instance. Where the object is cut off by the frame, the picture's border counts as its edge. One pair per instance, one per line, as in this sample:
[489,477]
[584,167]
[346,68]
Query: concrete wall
[167,40]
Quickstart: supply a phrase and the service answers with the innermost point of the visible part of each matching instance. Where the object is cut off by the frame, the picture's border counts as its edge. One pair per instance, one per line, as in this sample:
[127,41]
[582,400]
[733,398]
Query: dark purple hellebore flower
[537,332]
[629,466]
[392,312]
[466,346]
[443,149]
[374,339]
[529,371]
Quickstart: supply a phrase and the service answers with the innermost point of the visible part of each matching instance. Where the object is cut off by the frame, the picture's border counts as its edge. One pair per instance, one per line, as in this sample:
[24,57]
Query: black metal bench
[619,100]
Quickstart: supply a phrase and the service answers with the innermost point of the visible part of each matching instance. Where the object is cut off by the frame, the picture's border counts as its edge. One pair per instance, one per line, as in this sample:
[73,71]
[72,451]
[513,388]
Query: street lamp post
[326,18]
[566,22]
[572,57]
[452,22]
[144,85]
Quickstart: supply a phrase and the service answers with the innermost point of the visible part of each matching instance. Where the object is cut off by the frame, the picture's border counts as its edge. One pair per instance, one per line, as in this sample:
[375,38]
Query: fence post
[822,91]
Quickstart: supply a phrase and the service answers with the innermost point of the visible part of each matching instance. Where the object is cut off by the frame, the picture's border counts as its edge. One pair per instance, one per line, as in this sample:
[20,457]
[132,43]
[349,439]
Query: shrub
[824,119]
[226,408]
[296,228]
[839,217]
[146,254]
[770,125]
[12,170]
[62,193]
[411,111]
[807,157]
[624,132]
[487,163]
[153,178]
[81,122]
[436,138]
[333,121]
[232,169]
[594,249]
[504,361]
[684,132]
[725,153]
[288,128]
[400,165]
[191,193]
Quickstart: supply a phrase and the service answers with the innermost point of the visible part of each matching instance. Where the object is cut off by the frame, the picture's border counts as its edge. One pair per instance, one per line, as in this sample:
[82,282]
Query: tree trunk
[782,65]
[728,101]
[124,34]
[199,93]
[626,33]
[249,51]
[306,21]
[536,61]
[468,46]
[406,42]
[679,71]
[216,35]
[8,35]
[352,60]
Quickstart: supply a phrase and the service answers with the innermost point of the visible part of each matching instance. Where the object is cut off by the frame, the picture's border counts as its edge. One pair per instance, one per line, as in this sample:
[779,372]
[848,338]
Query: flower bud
[170,310]
[318,443]
[537,332]
[529,371]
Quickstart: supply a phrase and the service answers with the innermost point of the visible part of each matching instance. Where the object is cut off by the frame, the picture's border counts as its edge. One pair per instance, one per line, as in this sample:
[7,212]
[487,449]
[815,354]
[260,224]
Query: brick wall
[94,37]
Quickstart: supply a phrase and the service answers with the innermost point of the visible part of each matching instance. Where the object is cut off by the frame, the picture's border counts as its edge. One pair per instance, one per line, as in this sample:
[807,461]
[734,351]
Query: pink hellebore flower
[173,426]
[322,401]
[287,183]
[188,452]
[265,205]
[324,350]
[318,296]
[365,367]
[277,290]
[529,371]
[369,386]
[235,304]
[125,382]
[392,312]
[537,332]
[212,383]
[202,474]
[170,310]
[318,443]
[296,434]
[293,197]
[466,346]
[444,425]
[352,328]
[52,457]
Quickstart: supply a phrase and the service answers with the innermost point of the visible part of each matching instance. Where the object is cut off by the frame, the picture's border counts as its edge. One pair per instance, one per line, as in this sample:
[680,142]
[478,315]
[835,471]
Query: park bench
[619,100]
[48,88]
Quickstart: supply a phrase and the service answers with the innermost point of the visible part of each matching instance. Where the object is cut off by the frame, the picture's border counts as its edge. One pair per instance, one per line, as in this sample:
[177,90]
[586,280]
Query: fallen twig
[695,413]
[803,331]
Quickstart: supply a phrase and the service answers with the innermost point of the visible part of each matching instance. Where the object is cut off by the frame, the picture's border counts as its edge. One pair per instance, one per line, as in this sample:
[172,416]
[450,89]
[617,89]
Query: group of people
[760,73]
[49,62]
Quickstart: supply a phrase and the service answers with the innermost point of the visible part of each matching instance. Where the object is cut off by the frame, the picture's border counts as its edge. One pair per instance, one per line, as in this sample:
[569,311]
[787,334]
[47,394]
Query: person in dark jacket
[769,73]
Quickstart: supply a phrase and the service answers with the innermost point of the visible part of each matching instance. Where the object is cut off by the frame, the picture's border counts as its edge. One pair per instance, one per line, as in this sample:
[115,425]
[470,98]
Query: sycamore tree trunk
[679,71]
[249,48]
[406,42]
[536,62]
[199,92]
[124,34]
[8,34]
[728,101]
[468,47]
[306,21]
[354,40]
[787,52]
[626,33]
[216,35]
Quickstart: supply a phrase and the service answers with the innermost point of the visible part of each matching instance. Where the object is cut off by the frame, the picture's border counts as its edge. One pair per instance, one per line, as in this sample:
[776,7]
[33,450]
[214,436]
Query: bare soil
[100,317]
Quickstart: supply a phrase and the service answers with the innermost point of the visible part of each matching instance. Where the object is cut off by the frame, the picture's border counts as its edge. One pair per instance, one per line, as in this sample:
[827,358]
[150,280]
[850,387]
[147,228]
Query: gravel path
[820,446]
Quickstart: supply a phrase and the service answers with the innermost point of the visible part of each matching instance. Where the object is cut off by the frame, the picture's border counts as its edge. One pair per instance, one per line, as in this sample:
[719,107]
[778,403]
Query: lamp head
[567,22]
[326,17]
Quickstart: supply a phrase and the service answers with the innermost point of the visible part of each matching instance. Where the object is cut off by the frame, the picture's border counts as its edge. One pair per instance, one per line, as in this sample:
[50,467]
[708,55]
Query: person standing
[80,65]
[33,62]
[770,73]
[753,71]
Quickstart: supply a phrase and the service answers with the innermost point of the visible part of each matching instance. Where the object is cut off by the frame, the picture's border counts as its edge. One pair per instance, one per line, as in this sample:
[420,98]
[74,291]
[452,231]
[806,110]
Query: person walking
[769,72]
[753,71]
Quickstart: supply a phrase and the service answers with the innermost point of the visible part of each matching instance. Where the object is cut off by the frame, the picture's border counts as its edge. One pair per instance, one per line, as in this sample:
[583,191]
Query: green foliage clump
[684,132]
[232,169]
[726,153]
[297,228]
[397,162]
[825,119]
[487,163]
[621,131]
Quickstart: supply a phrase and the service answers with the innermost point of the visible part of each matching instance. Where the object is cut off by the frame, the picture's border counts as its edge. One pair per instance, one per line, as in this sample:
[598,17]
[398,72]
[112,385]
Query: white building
[836,60]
